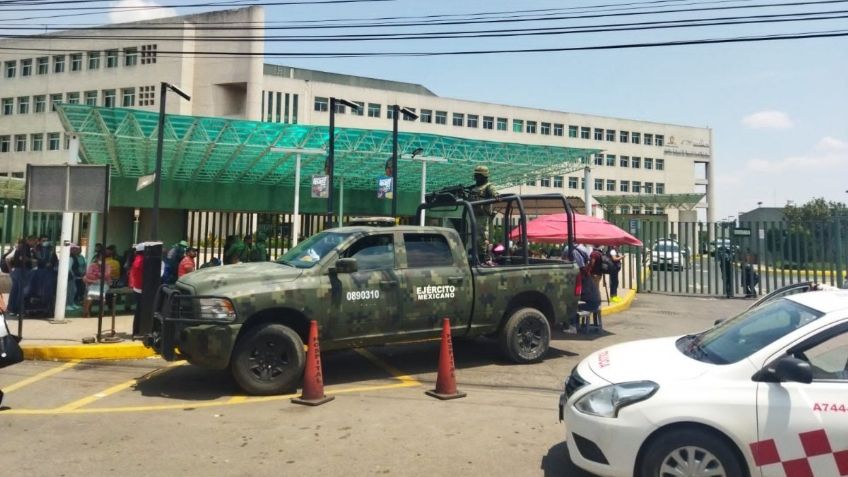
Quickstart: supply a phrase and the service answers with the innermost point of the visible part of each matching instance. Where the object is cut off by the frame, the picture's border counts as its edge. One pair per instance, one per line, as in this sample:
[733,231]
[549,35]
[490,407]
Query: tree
[813,211]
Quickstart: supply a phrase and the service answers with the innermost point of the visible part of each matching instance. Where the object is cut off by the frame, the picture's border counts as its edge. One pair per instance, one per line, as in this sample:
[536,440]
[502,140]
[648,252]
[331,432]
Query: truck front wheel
[268,359]
[526,336]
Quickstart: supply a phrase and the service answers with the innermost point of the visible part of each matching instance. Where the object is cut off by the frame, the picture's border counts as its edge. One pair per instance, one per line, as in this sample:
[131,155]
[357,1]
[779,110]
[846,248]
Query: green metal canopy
[677,201]
[234,151]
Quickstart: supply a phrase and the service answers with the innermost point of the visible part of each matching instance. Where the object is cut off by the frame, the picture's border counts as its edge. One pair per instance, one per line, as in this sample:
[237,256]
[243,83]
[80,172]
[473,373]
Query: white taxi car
[761,394]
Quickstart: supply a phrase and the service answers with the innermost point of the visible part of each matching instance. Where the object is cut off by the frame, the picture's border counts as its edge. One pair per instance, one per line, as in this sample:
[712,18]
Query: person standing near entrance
[724,257]
[615,257]
[135,281]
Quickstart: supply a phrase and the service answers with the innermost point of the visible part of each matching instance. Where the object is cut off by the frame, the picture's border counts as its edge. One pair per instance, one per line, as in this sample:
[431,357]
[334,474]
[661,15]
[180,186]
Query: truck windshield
[309,252]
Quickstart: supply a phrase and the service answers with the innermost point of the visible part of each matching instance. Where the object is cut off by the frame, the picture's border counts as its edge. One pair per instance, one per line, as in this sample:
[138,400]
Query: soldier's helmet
[482,170]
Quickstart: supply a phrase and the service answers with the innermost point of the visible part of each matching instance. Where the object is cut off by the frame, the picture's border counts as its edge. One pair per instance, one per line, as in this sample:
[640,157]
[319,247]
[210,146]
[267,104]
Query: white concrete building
[123,68]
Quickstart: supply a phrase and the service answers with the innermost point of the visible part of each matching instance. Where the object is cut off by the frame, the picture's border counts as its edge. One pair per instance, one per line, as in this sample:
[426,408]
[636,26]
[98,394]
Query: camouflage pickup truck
[364,286]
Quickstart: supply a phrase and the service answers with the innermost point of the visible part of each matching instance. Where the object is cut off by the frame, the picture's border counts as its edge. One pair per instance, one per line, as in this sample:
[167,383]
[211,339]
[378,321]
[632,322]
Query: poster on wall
[384,188]
[320,189]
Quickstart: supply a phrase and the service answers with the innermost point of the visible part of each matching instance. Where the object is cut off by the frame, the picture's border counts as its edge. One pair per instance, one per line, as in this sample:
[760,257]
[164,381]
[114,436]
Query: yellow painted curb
[623,305]
[108,351]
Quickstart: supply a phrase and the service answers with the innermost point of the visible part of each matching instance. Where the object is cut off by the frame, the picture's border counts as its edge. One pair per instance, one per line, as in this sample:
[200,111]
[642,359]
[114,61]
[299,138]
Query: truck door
[436,284]
[802,427]
[366,299]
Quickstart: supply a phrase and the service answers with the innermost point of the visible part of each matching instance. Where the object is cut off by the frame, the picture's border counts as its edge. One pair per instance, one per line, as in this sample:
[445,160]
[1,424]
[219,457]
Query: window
[648,163]
[427,251]
[572,182]
[599,134]
[473,119]
[649,139]
[625,161]
[583,183]
[390,112]
[637,209]
[148,55]
[374,110]
[599,160]
[635,162]
[11,69]
[531,127]
[23,105]
[545,182]
[648,188]
[517,125]
[660,188]
[20,142]
[36,141]
[488,122]
[585,133]
[91,98]
[8,106]
[4,144]
[829,358]
[659,210]
[659,140]
[660,164]
[130,56]
[558,129]
[427,116]
[109,98]
[42,65]
[599,184]
[322,104]
[610,135]
[59,64]
[558,182]
[76,62]
[624,136]
[128,97]
[93,60]
[636,187]
[635,138]
[502,124]
[611,160]
[441,117]
[625,209]
[572,131]
[26,67]
[54,100]
[360,111]
[53,141]
[458,119]
[545,129]
[40,102]
[610,185]
[624,186]
[111,58]
[376,252]
[530,182]
[340,108]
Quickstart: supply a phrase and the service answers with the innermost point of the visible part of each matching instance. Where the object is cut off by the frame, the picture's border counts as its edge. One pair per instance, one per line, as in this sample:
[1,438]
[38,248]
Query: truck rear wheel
[526,336]
[268,359]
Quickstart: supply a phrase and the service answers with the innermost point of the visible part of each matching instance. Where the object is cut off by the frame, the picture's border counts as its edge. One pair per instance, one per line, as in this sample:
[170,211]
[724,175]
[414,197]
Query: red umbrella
[590,230]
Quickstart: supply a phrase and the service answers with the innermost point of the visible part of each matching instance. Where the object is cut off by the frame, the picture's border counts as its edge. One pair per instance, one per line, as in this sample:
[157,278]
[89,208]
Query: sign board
[68,188]
[742,232]
[320,187]
[384,188]
[634,226]
[762,234]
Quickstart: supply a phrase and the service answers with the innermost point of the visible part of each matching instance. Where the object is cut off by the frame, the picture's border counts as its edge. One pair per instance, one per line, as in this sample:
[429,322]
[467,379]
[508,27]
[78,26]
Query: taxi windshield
[312,250]
[744,335]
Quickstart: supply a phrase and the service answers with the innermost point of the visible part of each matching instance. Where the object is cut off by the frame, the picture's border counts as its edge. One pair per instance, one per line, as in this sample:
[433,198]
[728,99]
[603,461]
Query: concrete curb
[623,305]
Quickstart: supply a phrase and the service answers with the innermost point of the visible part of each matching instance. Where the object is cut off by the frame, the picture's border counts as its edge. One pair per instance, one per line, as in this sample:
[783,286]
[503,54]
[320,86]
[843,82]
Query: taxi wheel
[526,336]
[268,359]
[690,453]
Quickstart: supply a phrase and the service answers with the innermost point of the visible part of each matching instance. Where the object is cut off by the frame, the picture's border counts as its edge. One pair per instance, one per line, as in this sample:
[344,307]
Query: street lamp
[157,181]
[298,151]
[331,156]
[397,111]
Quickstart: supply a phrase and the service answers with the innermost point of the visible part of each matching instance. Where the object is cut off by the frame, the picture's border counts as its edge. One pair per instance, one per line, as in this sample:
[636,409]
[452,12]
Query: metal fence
[695,258]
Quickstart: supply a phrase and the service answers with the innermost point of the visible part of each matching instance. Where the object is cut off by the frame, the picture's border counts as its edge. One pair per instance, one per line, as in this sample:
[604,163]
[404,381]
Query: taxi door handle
[456,280]
[388,283]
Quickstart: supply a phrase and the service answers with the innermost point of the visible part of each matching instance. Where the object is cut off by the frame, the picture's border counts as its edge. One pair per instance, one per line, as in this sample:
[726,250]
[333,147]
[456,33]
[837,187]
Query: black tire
[672,449]
[268,359]
[526,336]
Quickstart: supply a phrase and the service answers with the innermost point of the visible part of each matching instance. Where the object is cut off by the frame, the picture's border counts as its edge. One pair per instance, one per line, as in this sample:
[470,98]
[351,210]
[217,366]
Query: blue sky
[779,110]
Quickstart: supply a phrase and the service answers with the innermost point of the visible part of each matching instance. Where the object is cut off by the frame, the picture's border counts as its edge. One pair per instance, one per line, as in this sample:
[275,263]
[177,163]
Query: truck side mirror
[346,265]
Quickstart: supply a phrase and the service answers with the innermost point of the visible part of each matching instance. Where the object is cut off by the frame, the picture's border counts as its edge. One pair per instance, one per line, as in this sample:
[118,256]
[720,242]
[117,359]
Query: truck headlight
[608,400]
[217,309]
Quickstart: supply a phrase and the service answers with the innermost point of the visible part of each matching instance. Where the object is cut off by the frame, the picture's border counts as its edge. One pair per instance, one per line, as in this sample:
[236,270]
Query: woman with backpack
[615,259]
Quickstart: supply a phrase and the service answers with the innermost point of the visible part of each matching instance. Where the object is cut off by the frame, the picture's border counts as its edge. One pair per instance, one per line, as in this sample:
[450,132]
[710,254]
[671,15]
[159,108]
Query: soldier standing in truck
[482,190]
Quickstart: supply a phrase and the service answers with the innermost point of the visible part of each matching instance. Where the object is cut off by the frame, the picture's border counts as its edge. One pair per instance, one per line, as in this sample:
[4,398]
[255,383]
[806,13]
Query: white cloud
[137,10]
[830,144]
[829,154]
[768,120]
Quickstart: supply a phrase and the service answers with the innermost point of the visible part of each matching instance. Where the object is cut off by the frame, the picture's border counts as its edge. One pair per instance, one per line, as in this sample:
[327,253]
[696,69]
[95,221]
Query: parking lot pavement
[148,417]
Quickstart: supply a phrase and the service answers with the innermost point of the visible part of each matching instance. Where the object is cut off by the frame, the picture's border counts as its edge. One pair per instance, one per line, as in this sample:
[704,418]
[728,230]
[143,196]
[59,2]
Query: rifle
[450,194]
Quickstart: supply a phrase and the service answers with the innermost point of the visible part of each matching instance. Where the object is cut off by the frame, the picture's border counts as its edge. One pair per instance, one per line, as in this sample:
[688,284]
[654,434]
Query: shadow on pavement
[557,463]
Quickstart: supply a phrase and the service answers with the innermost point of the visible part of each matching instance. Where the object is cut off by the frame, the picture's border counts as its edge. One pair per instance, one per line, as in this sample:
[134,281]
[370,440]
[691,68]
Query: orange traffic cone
[446,379]
[313,381]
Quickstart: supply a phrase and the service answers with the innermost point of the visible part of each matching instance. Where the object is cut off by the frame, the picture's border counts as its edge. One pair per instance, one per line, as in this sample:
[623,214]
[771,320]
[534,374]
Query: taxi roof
[826,301]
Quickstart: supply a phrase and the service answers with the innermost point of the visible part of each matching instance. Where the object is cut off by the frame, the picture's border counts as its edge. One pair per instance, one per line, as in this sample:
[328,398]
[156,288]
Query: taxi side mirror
[786,368]
[346,265]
